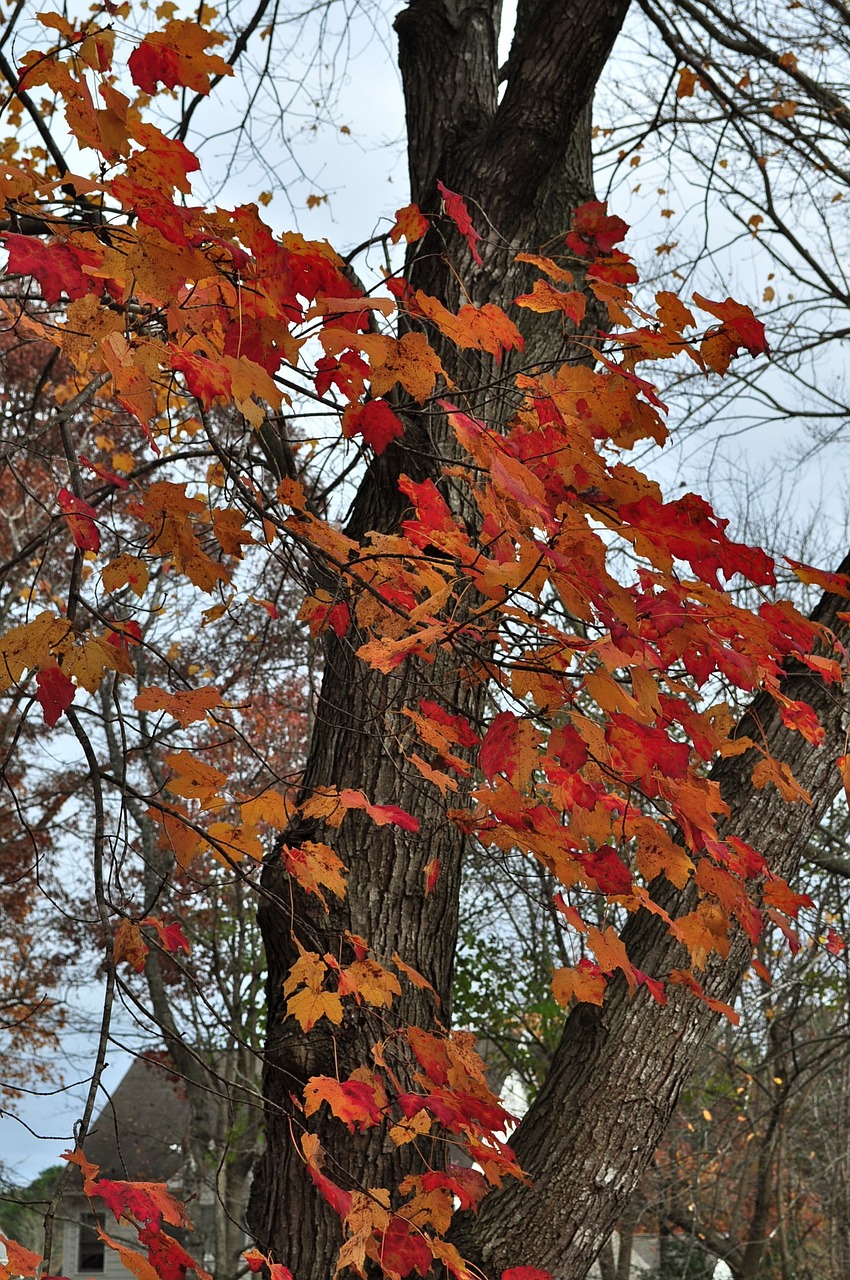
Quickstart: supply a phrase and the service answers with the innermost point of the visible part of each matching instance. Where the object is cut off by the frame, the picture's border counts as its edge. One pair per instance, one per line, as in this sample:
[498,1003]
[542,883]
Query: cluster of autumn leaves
[595,766]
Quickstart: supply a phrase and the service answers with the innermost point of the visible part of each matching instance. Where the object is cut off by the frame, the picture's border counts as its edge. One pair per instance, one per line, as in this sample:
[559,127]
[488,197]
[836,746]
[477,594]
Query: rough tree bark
[524,163]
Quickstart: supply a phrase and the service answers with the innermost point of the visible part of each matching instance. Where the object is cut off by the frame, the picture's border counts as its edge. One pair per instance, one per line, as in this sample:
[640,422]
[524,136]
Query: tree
[469,610]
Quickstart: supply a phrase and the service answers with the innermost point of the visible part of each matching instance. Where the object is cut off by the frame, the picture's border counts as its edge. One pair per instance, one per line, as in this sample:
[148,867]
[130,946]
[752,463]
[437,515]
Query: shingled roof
[140,1134]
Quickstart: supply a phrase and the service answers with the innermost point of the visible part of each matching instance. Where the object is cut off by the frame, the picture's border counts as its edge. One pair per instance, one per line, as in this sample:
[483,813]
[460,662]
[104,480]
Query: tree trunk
[522,163]
[618,1071]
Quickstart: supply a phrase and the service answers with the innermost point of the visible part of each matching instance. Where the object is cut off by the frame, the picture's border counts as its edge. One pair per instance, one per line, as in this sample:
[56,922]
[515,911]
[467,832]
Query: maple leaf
[55,693]
[484,328]
[170,512]
[30,645]
[311,1002]
[455,207]
[594,231]
[177,835]
[358,1103]
[402,1250]
[739,324]
[837,583]
[374,421]
[57,267]
[145,1202]
[585,983]
[81,520]
[411,223]
[370,982]
[409,361]
[610,953]
[315,866]
[129,945]
[126,570]
[381,814]
[18,1260]
[194,779]
[431,872]
[134,1262]
[177,55]
[544,297]
[687,82]
[186,707]
[207,379]
[170,936]
[509,747]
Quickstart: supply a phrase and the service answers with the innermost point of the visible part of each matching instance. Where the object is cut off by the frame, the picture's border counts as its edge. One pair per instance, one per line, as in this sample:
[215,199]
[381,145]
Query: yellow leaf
[126,571]
[87,663]
[271,807]
[368,981]
[409,1130]
[31,644]
[234,843]
[311,1002]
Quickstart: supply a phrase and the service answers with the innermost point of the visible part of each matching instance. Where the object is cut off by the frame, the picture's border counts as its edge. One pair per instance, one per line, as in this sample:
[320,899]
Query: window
[90,1252]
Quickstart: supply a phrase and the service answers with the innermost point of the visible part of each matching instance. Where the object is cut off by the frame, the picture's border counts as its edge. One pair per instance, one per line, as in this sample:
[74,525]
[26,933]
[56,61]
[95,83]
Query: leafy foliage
[535,557]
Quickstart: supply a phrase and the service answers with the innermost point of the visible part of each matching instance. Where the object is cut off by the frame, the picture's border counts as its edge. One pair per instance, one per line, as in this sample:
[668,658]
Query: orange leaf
[18,1261]
[544,297]
[194,779]
[124,571]
[585,984]
[610,953]
[411,223]
[370,982]
[357,1103]
[129,945]
[186,707]
[687,82]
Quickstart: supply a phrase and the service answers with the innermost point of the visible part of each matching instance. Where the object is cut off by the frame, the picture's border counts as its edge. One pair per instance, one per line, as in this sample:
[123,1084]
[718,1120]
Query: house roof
[140,1134]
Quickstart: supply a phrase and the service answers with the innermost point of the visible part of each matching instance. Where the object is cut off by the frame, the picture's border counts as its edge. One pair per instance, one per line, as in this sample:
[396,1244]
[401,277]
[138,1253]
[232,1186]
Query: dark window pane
[91,1250]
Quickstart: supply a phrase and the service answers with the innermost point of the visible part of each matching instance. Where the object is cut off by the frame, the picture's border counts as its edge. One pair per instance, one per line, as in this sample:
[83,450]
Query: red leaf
[455,206]
[739,324]
[176,56]
[594,231]
[205,378]
[509,748]
[57,267]
[460,731]
[607,870]
[374,421]
[55,693]
[171,936]
[432,875]
[81,520]
[103,473]
[381,814]
[403,1250]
